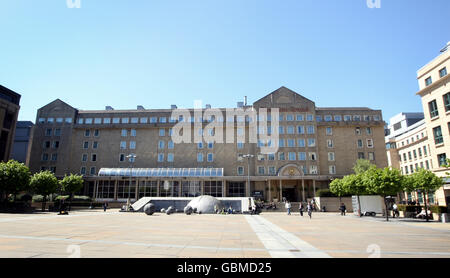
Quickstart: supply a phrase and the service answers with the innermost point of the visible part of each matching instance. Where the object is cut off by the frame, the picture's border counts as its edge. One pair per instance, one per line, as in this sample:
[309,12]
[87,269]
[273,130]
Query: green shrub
[438,209]
[74,199]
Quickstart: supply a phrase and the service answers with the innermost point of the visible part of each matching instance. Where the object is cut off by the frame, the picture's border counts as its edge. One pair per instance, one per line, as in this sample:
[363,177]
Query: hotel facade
[282,146]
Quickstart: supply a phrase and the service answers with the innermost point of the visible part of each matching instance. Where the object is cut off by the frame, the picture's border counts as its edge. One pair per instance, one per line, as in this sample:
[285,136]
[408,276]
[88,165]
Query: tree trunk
[70,201]
[359,206]
[387,211]
[44,200]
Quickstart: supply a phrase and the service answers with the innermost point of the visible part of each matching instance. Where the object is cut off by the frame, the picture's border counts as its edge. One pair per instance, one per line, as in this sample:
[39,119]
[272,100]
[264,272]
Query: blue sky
[157,53]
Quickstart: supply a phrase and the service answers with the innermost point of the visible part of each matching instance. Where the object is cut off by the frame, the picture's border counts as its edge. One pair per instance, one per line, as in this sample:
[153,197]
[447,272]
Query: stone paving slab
[128,235]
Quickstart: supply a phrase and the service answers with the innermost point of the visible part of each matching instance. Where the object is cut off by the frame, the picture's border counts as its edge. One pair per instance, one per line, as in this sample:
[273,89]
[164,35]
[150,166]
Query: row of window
[86,145]
[442,73]
[200,157]
[282,117]
[271,170]
[47,157]
[415,153]
[53,132]
[418,137]
[55,120]
[414,168]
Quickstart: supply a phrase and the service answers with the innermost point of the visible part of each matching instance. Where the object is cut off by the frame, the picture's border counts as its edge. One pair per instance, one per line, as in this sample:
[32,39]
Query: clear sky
[160,52]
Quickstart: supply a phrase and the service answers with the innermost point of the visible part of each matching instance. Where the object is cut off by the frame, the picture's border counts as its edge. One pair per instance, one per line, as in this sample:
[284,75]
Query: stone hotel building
[131,153]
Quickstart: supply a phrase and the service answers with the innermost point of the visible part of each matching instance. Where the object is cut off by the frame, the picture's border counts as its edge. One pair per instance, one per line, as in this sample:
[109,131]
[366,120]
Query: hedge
[438,209]
[408,208]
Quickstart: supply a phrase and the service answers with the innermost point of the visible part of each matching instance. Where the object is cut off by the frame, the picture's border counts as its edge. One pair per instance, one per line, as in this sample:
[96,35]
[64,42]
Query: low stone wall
[332,204]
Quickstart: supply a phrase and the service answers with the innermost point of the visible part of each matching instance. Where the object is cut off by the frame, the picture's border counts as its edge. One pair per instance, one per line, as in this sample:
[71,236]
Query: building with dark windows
[136,153]
[22,140]
[9,110]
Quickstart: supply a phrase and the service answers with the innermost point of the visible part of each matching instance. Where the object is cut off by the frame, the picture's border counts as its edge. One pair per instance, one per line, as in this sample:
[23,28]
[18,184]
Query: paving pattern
[93,234]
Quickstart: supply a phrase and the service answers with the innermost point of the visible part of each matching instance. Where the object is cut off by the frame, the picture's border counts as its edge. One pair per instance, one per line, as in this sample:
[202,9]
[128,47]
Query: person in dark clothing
[105,206]
[342,208]
[301,208]
[310,208]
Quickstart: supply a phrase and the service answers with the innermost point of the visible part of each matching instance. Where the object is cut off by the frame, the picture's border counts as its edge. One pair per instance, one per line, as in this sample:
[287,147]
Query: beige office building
[434,87]
[315,145]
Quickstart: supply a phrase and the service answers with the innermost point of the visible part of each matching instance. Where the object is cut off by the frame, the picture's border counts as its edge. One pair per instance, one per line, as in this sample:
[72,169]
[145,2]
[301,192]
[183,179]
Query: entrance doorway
[290,194]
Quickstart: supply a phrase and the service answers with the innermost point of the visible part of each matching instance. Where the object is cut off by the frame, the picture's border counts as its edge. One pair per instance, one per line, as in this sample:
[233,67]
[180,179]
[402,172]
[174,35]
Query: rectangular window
[144,120]
[292,156]
[338,118]
[330,156]
[95,145]
[134,120]
[54,157]
[432,106]
[210,157]
[332,169]
[200,145]
[312,156]
[133,133]
[94,158]
[290,130]
[330,143]
[96,133]
[310,117]
[93,171]
[240,171]
[291,143]
[59,120]
[347,118]
[123,145]
[300,117]
[360,143]
[132,145]
[124,133]
[87,133]
[428,81]
[442,72]
[57,132]
[281,157]
[369,143]
[358,131]
[162,132]
[311,142]
[116,120]
[170,157]
[153,120]
[271,157]
[281,129]
[371,156]
[368,130]
[272,171]
[170,145]
[281,143]
[199,157]
[329,131]
[302,156]
[161,145]
[438,139]
[41,120]
[88,121]
[83,171]
[289,117]
[442,158]
[97,121]
[122,157]
[86,145]
[313,169]
[447,102]
[300,129]
[125,120]
[160,157]
[310,129]
[360,155]
[261,170]
[318,118]
[357,118]
[301,143]
[106,120]
[48,132]
[162,119]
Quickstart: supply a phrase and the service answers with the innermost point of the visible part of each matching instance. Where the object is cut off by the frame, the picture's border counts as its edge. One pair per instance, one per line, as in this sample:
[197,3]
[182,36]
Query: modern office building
[434,91]
[22,140]
[408,148]
[223,149]
[9,110]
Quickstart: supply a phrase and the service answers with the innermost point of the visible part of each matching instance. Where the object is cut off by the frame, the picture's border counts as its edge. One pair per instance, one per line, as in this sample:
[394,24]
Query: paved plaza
[94,234]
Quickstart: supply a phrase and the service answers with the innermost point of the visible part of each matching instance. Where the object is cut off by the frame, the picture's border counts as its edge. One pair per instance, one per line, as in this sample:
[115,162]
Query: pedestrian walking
[105,206]
[395,211]
[288,207]
[342,208]
[301,208]
[309,210]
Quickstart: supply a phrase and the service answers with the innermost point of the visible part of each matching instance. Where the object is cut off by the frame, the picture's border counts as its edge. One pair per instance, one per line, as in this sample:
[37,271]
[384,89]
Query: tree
[337,188]
[14,178]
[384,182]
[426,182]
[44,183]
[71,184]
[362,165]
[352,184]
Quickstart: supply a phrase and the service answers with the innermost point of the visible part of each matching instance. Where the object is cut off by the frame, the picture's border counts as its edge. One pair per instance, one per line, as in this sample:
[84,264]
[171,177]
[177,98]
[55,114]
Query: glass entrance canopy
[161,172]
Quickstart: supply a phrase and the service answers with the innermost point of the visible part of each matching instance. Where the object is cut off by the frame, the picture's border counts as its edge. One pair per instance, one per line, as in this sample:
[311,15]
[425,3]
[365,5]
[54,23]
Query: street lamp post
[248,156]
[131,157]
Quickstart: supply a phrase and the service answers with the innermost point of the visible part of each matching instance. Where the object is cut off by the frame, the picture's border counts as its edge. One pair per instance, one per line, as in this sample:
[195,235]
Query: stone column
[136,195]
[116,192]
[270,193]
[281,191]
[224,191]
[303,190]
[157,188]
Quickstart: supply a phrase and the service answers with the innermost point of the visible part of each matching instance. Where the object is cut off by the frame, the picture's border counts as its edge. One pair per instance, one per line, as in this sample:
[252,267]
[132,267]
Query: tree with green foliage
[14,178]
[384,182]
[71,184]
[352,184]
[426,182]
[338,189]
[362,165]
[44,183]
